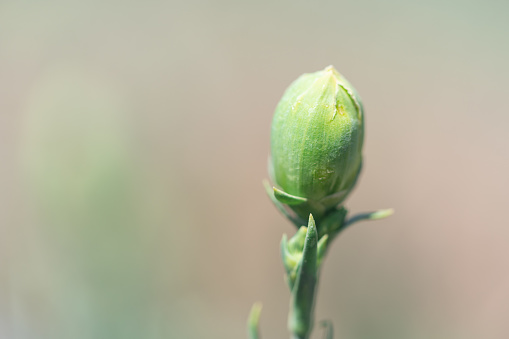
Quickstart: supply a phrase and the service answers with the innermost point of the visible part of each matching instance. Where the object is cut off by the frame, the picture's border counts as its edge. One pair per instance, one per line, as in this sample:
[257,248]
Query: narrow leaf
[286,198]
[380,214]
[300,320]
[253,321]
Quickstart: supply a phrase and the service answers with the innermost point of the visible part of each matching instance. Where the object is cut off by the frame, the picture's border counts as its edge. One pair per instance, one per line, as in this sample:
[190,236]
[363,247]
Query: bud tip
[329,68]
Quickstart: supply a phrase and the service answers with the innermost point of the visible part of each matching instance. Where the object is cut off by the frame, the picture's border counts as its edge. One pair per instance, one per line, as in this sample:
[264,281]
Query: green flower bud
[316,143]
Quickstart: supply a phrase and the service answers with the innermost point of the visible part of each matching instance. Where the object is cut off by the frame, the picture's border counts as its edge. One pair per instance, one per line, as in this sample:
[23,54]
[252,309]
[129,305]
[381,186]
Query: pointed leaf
[286,198]
[300,320]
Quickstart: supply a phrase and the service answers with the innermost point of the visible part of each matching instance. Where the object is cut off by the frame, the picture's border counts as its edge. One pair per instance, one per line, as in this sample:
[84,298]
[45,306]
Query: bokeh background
[134,138]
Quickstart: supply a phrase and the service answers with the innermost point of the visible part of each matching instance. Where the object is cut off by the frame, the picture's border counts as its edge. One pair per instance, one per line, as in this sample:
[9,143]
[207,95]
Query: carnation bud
[316,143]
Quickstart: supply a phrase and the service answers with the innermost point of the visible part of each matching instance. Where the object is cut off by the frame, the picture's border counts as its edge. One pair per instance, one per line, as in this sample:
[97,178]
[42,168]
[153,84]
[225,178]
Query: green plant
[316,157]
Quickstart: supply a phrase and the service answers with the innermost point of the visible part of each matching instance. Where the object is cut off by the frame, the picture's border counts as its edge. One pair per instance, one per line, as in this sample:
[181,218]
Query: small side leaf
[289,260]
[253,321]
[291,251]
[380,214]
[288,199]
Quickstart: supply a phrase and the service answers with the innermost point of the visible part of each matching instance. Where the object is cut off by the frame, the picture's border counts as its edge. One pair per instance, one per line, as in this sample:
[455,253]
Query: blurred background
[134,138]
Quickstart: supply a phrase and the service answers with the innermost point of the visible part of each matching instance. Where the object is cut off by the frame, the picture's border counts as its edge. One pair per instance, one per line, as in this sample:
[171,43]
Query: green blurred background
[134,139]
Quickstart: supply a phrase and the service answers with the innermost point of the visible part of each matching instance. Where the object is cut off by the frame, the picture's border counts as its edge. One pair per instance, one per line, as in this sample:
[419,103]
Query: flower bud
[316,143]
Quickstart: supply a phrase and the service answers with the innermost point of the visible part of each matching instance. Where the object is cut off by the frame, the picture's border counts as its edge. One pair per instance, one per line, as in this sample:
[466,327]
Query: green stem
[303,315]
